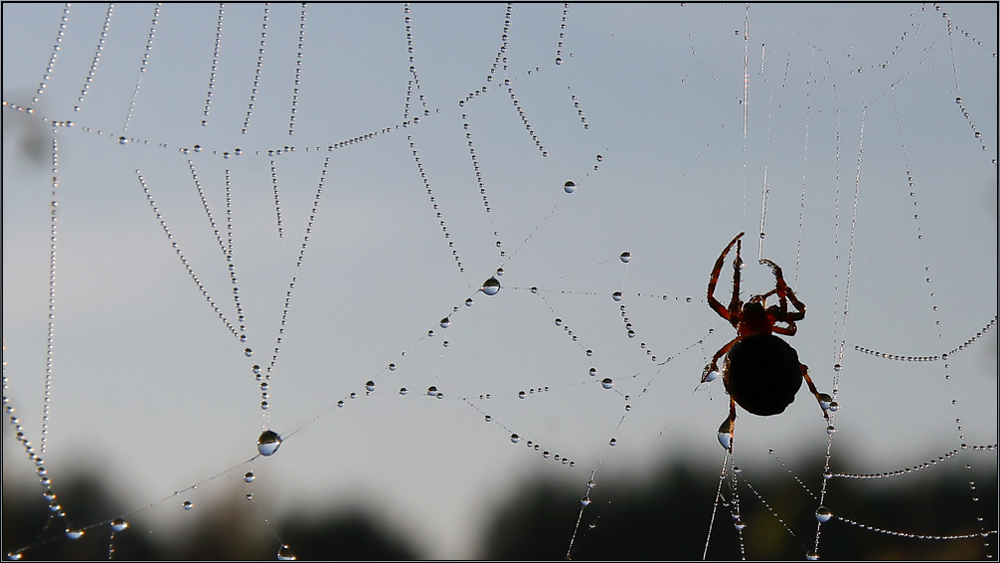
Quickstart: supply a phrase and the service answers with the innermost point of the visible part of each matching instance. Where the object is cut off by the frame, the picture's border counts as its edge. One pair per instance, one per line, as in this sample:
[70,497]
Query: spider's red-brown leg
[728,428]
[714,280]
[783,292]
[823,399]
[714,364]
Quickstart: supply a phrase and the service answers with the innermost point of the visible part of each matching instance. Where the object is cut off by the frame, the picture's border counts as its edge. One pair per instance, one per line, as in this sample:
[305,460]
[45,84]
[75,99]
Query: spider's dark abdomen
[762,374]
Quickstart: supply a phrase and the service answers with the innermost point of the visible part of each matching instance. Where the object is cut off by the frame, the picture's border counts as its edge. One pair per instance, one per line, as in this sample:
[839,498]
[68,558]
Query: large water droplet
[74,533]
[118,525]
[823,514]
[248,352]
[445,322]
[188,505]
[739,524]
[613,442]
[515,438]
[617,296]
[626,256]
[607,383]
[285,554]
[249,477]
[521,394]
[491,286]
[825,401]
[724,439]
[468,302]
[432,391]
[268,443]
[570,187]
[370,386]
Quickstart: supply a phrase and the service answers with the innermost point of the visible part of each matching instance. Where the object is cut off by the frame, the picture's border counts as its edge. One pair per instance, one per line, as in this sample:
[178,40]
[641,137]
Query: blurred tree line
[665,517]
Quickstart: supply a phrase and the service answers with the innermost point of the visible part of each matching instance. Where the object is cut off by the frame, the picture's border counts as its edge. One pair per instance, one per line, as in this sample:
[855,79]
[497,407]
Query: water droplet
[74,533]
[515,438]
[402,390]
[249,477]
[626,256]
[521,394]
[468,302]
[370,386]
[499,272]
[490,286]
[613,442]
[285,554]
[118,525]
[340,404]
[248,496]
[188,505]
[49,495]
[823,514]
[592,371]
[837,367]
[830,429]
[248,352]
[607,383]
[392,367]
[558,321]
[432,391]
[710,375]
[724,439]
[812,556]
[570,187]
[268,443]
[825,401]
[617,296]
[600,158]
[123,140]
[558,60]
[834,406]
[739,524]
[488,418]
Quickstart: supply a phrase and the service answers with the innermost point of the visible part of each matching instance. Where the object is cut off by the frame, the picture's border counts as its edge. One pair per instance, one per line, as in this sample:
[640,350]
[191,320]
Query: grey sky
[151,388]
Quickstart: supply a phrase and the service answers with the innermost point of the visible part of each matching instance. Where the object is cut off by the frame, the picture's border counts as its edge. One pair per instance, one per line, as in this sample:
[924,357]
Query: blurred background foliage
[663,517]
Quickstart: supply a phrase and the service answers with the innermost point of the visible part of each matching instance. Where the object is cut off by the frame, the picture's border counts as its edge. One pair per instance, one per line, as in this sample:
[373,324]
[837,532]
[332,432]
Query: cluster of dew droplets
[215,64]
[50,335]
[975,130]
[180,255]
[298,69]
[56,47]
[578,108]
[413,84]
[524,118]
[260,66]
[264,379]
[97,57]
[277,198]
[475,165]
[434,204]
[562,35]
[143,65]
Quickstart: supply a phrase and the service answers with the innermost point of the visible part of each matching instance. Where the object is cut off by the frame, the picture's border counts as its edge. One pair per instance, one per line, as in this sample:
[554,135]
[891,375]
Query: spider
[762,372]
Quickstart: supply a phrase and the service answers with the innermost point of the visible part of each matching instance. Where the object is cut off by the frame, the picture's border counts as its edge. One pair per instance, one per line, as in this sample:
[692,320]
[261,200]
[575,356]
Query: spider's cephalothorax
[762,372]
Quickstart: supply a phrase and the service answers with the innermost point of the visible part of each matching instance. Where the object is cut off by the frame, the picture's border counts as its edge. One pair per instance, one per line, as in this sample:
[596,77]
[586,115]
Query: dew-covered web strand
[53,57]
[214,69]
[313,213]
[259,67]
[144,65]
[180,255]
[97,57]
[51,327]
[299,54]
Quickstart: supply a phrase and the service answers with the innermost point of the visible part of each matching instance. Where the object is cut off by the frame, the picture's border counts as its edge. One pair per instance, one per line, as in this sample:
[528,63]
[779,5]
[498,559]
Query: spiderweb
[453,249]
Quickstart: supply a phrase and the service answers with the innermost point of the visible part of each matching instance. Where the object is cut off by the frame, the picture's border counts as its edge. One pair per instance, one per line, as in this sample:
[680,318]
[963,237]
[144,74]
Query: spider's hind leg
[728,427]
[824,400]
